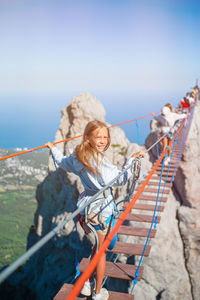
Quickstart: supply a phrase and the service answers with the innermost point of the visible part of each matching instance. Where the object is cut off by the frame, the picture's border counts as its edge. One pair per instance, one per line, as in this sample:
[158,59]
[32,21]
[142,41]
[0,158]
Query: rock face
[172,269]
[187,187]
[165,274]
[175,272]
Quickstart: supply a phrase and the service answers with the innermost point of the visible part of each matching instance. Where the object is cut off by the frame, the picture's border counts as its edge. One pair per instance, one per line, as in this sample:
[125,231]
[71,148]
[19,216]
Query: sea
[29,121]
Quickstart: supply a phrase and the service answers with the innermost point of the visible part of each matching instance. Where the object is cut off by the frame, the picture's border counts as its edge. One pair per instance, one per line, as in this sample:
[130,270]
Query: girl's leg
[168,142]
[165,142]
[91,278]
[100,268]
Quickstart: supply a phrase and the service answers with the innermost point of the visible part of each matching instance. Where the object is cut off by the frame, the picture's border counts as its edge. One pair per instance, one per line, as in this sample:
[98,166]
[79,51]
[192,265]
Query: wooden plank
[173,160]
[156,176]
[136,231]
[152,190]
[173,163]
[115,270]
[119,296]
[64,292]
[156,183]
[164,172]
[165,177]
[171,171]
[172,168]
[130,249]
[140,218]
[151,198]
[66,289]
[145,206]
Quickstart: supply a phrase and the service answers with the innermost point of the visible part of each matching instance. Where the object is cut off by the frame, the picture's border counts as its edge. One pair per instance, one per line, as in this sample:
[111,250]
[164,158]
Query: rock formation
[187,186]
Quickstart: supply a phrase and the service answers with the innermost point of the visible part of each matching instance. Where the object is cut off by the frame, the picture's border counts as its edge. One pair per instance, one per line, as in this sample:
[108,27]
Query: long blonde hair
[85,151]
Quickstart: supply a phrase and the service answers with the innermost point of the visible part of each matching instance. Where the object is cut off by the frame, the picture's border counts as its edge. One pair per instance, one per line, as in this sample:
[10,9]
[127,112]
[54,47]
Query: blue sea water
[31,120]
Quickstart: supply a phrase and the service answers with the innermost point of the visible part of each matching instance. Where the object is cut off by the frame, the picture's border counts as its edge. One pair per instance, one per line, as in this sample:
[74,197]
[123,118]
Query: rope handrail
[10,269]
[86,274]
[71,138]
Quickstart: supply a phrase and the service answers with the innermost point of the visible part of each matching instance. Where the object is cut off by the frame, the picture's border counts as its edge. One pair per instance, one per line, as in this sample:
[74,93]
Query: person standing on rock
[95,171]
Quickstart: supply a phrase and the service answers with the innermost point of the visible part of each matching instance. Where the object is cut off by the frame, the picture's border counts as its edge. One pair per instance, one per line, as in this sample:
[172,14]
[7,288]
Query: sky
[133,55]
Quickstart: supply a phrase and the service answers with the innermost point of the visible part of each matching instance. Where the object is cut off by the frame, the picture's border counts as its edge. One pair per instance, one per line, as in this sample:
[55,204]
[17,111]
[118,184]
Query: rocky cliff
[172,269]
[187,187]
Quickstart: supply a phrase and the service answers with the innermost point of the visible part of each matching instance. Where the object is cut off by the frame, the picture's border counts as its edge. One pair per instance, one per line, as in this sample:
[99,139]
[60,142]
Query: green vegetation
[16,215]
[18,183]
[122,153]
[122,149]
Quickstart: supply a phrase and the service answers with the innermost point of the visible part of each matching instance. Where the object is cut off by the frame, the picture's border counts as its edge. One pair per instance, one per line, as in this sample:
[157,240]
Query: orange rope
[66,140]
[38,148]
[90,269]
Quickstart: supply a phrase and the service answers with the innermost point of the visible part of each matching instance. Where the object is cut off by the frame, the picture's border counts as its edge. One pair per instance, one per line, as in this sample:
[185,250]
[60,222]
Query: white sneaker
[167,160]
[103,295]
[88,288]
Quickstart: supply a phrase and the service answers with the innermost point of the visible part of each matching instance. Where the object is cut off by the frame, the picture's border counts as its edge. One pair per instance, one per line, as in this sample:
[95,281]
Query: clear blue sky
[141,53]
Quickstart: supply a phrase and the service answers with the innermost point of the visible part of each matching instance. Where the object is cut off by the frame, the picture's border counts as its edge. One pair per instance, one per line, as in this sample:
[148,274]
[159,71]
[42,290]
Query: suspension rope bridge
[157,182]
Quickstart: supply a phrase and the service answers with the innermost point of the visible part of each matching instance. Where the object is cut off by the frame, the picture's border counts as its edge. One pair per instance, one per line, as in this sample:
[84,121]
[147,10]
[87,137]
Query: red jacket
[184,104]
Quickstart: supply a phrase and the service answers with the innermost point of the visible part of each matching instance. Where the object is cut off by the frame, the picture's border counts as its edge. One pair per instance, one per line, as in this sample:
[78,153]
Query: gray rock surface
[165,274]
[187,187]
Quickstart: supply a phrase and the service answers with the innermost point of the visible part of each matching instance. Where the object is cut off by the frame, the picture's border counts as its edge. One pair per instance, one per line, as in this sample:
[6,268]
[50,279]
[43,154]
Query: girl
[95,172]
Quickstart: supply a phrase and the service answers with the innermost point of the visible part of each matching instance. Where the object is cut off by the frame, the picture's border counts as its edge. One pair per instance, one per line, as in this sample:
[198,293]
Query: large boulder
[187,186]
[56,203]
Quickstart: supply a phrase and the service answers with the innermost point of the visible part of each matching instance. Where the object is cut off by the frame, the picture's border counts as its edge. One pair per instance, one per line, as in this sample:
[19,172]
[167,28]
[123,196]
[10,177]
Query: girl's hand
[49,145]
[140,153]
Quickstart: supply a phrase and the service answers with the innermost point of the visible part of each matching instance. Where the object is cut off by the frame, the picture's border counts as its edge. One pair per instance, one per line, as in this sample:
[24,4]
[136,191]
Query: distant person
[95,171]
[190,98]
[195,92]
[185,105]
[170,106]
[165,122]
